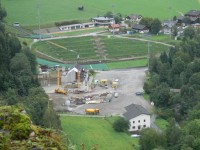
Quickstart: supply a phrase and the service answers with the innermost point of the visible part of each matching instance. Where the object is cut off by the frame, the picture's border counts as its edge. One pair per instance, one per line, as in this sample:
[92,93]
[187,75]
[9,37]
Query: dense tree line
[18,79]
[174,87]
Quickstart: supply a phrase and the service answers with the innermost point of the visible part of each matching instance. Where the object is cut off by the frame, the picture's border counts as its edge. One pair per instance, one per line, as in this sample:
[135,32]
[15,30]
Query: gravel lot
[131,81]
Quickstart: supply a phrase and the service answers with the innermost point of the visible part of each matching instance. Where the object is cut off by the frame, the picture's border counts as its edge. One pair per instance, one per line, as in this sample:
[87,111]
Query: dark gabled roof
[139,27]
[193,13]
[134,110]
[193,18]
[169,23]
[180,18]
[134,16]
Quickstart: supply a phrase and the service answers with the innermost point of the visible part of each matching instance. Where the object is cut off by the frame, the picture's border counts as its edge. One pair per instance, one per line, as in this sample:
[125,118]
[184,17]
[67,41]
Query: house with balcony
[103,21]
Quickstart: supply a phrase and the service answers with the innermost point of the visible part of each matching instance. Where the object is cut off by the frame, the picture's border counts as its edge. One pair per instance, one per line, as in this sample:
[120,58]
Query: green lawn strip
[127,64]
[161,123]
[146,96]
[78,32]
[92,131]
[59,10]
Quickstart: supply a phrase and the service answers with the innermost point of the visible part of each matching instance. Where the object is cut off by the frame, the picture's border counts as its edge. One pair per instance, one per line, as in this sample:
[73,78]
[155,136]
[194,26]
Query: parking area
[130,82]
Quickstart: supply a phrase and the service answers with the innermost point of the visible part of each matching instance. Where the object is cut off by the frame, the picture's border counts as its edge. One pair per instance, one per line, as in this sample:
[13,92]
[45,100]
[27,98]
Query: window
[144,126]
[139,127]
[144,120]
[133,121]
[133,127]
[138,121]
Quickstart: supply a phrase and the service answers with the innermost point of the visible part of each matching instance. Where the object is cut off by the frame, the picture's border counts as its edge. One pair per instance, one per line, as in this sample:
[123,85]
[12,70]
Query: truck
[92,111]
[59,91]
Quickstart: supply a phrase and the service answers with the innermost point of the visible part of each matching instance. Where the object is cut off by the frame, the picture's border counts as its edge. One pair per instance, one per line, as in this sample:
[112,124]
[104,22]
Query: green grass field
[127,64]
[96,131]
[161,123]
[113,48]
[25,11]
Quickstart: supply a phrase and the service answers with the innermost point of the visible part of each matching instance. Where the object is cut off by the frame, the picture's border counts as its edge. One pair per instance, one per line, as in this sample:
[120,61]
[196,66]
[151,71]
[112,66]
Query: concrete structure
[138,117]
[103,21]
[77,26]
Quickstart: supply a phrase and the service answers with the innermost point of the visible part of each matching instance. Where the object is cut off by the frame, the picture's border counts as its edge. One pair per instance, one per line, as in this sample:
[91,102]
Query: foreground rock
[18,132]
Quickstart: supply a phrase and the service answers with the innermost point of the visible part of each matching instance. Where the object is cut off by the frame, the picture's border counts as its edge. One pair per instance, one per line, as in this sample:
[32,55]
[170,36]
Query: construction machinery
[92,111]
[114,85]
[104,83]
[58,90]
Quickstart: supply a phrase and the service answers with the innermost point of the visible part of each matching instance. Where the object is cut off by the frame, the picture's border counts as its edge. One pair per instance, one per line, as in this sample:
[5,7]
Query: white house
[114,27]
[138,117]
[77,26]
[167,26]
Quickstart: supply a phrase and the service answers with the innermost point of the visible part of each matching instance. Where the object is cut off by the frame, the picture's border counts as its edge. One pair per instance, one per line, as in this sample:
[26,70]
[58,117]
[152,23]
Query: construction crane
[58,90]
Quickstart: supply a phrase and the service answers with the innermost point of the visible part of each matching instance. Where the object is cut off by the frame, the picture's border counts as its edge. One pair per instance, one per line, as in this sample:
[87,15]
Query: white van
[116,95]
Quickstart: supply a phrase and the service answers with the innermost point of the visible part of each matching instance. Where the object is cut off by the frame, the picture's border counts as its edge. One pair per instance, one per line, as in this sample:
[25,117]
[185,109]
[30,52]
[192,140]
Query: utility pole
[148,54]
[113,19]
[170,22]
[38,9]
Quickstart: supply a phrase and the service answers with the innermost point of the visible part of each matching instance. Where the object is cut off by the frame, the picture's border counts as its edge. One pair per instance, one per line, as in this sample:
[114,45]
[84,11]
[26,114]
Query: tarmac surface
[130,82]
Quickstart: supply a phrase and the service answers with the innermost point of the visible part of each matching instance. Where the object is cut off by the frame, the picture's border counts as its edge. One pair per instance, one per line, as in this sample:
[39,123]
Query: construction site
[79,91]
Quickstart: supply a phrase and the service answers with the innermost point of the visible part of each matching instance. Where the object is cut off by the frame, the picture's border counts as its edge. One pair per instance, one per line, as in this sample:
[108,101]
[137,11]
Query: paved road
[131,81]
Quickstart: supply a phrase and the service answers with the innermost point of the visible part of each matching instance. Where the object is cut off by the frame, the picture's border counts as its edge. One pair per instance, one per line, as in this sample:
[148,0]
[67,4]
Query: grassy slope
[161,123]
[25,11]
[92,131]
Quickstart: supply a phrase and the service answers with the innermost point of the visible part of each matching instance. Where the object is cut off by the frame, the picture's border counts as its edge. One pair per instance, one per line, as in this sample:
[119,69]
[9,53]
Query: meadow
[96,131]
[26,11]
[128,64]
[111,48]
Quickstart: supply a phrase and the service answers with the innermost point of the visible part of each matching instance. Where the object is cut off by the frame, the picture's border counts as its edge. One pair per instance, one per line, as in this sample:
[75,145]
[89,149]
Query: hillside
[60,10]
[18,132]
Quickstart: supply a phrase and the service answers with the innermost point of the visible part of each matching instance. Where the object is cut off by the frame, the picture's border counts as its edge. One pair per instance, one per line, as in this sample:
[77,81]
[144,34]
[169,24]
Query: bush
[121,125]
[67,22]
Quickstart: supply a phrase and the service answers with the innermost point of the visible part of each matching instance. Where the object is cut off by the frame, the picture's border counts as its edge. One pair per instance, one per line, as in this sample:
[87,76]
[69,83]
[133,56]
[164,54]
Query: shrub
[67,22]
[121,125]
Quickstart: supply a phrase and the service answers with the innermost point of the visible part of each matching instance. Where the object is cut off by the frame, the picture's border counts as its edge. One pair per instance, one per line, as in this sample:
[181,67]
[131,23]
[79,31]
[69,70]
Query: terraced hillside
[101,48]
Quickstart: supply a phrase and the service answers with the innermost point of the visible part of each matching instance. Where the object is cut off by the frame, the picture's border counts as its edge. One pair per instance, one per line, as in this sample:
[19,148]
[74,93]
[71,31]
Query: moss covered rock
[18,132]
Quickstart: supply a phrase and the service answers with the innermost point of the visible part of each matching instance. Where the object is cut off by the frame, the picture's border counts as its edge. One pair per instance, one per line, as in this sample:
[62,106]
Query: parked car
[139,93]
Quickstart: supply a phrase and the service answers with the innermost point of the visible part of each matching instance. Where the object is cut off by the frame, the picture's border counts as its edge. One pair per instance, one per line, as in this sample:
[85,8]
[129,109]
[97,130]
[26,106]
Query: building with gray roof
[138,117]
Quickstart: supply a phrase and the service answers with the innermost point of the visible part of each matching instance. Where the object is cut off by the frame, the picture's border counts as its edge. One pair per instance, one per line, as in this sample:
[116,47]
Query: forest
[173,84]
[18,79]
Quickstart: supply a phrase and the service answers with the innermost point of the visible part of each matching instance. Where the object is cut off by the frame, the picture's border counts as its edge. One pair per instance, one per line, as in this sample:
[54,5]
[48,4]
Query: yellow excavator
[58,90]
